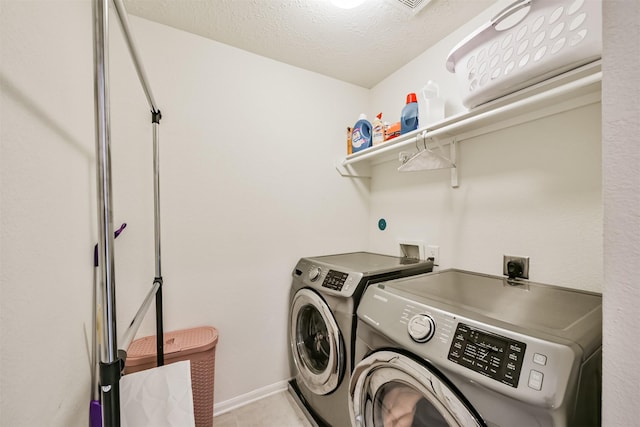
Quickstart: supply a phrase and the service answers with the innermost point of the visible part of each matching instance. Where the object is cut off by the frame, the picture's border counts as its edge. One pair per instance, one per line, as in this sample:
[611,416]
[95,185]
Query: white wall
[531,190]
[248,186]
[522,192]
[621,195]
[47,212]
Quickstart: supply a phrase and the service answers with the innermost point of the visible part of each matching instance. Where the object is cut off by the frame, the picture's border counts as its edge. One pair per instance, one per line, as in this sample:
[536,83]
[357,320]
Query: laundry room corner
[518,187]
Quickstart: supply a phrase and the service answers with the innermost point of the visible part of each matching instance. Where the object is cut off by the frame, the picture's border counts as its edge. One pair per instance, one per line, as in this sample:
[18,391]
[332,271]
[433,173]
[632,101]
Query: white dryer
[456,348]
[325,292]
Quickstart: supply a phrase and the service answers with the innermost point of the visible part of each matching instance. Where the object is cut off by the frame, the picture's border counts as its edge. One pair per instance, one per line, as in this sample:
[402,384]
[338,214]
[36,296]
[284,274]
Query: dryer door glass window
[391,389]
[313,339]
[316,343]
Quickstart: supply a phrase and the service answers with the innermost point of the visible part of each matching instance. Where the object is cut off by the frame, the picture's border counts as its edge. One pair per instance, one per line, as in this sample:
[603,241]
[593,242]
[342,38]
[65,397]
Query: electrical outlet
[433,252]
[515,267]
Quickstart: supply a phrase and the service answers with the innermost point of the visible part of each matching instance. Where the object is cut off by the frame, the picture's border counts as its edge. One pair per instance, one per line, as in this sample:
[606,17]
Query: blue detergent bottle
[409,116]
[361,134]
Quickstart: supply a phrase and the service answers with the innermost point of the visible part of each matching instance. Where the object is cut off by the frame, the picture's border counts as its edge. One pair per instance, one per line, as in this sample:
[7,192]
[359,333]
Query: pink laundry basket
[198,345]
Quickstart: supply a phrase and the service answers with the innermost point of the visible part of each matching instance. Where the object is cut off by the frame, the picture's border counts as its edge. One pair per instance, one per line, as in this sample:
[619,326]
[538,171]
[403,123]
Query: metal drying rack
[112,358]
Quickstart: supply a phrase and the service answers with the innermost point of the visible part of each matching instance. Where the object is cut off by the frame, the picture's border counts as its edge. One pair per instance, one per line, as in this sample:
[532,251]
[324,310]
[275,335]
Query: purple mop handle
[95,414]
[115,235]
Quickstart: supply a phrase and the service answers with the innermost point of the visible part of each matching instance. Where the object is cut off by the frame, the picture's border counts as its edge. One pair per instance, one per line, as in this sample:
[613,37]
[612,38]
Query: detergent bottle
[431,104]
[378,130]
[409,116]
[361,134]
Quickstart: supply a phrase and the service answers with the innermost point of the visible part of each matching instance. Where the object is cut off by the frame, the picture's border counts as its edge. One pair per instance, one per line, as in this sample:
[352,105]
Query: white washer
[456,348]
[325,292]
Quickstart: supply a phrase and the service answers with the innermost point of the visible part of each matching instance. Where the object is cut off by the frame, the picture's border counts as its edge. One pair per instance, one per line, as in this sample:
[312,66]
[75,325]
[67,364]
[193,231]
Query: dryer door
[390,389]
[316,343]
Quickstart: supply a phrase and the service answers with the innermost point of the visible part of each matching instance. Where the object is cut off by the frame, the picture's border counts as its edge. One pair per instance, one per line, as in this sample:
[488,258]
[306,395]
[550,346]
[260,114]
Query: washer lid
[561,312]
[366,263]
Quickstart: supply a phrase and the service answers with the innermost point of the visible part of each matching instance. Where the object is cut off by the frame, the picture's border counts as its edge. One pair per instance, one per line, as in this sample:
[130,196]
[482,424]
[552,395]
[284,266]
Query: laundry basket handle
[508,12]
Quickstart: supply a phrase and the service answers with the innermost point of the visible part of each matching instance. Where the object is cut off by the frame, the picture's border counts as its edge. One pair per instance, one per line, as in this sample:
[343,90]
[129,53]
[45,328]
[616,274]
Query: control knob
[421,327]
[314,273]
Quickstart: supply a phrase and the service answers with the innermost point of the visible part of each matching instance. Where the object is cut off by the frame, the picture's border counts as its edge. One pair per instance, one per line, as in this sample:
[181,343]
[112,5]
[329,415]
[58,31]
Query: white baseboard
[236,402]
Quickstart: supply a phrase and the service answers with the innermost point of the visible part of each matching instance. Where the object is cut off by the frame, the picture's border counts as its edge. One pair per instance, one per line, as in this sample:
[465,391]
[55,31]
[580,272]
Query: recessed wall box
[412,249]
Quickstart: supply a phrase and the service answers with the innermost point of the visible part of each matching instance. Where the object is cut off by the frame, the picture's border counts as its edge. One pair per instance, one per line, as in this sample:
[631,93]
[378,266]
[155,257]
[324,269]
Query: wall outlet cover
[433,252]
[522,266]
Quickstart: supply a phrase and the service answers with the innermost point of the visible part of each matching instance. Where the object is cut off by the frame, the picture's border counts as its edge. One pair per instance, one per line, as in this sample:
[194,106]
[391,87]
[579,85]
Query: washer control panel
[489,354]
[421,327]
[314,273]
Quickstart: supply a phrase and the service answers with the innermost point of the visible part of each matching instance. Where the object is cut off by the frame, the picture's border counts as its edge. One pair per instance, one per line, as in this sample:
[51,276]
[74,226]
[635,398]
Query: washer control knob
[421,327]
[314,273]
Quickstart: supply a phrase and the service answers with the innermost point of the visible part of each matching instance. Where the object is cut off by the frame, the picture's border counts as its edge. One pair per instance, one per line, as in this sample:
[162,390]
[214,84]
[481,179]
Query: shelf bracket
[352,171]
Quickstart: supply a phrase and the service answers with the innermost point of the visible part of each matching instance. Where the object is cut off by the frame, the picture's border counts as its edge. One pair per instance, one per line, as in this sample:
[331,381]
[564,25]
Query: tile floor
[277,410]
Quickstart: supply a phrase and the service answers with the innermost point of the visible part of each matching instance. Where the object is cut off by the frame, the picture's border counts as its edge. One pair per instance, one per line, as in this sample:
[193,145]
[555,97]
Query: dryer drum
[316,343]
[313,339]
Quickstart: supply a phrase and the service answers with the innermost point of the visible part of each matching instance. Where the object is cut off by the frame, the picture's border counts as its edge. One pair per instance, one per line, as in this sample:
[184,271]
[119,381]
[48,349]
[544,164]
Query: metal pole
[156,199]
[124,21]
[156,195]
[109,385]
[132,330]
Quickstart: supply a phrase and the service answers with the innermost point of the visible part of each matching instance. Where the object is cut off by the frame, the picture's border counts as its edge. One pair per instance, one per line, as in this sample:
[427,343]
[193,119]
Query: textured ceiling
[361,46]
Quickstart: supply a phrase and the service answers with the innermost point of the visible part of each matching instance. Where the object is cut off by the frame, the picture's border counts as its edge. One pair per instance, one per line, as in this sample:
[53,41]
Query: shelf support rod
[453,146]
[347,170]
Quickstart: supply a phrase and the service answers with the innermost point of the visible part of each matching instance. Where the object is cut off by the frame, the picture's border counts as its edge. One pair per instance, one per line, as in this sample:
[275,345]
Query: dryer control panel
[490,354]
[335,280]
[328,280]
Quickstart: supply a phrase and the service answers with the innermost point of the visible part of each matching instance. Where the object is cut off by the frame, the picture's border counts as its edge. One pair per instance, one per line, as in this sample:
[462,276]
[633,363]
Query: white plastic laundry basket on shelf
[526,43]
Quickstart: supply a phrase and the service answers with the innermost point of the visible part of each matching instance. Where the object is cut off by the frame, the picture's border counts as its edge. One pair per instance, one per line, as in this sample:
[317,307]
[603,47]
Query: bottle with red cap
[409,116]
